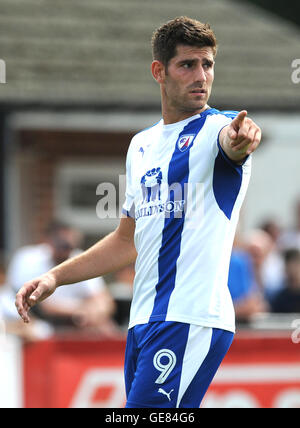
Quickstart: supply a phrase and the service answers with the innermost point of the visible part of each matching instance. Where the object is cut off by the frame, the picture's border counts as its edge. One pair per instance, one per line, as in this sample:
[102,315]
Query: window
[89,195]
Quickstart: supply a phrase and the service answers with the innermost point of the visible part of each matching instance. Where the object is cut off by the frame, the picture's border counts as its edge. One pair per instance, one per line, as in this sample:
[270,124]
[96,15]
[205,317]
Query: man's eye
[186,65]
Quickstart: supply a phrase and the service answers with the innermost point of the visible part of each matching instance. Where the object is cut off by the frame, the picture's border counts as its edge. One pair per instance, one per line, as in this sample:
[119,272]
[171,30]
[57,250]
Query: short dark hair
[3,264]
[291,254]
[181,31]
[56,227]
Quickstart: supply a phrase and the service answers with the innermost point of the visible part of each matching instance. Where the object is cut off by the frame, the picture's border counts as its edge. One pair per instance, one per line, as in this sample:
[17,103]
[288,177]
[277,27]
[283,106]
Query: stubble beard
[183,105]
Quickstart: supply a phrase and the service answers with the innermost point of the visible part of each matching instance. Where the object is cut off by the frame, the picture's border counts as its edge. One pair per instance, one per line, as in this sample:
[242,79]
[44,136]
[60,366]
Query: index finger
[241,116]
[21,302]
[238,120]
[21,306]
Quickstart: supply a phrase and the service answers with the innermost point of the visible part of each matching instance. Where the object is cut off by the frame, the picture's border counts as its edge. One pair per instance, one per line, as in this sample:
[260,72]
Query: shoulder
[216,119]
[217,116]
[231,114]
[140,139]
[150,130]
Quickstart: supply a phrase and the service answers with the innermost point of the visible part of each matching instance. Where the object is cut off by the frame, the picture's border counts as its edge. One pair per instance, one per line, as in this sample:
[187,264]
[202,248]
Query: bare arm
[240,138]
[110,254]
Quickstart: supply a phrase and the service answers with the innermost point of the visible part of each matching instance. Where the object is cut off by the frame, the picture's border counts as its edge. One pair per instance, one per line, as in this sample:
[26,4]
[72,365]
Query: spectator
[287,300]
[259,245]
[88,306]
[272,269]
[246,295]
[13,325]
[273,229]
[291,238]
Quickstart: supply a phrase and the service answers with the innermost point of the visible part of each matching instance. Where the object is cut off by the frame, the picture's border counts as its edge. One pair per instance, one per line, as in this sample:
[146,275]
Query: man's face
[293,273]
[189,78]
[62,245]
[2,277]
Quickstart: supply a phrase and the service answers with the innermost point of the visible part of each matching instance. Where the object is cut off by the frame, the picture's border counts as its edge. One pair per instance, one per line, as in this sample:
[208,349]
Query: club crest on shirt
[152,195]
[151,183]
[185,142]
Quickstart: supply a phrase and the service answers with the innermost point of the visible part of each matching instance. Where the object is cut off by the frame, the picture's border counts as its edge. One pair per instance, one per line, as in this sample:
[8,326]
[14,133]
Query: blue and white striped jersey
[185,195]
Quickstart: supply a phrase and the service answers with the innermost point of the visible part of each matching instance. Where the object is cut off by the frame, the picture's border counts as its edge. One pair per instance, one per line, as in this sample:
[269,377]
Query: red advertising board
[259,371]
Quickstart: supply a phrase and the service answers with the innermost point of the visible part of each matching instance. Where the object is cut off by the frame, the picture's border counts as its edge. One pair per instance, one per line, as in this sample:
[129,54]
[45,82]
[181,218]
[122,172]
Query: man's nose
[200,74]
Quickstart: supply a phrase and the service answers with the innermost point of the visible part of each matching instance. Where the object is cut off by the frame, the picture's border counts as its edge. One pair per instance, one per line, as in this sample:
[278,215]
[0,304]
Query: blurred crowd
[264,274]
[264,277]
[88,306]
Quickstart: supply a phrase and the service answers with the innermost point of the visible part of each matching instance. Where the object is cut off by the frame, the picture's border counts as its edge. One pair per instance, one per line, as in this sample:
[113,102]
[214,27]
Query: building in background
[79,86]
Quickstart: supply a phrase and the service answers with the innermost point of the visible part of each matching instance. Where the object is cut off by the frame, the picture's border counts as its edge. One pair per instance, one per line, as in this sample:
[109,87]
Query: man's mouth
[198,91]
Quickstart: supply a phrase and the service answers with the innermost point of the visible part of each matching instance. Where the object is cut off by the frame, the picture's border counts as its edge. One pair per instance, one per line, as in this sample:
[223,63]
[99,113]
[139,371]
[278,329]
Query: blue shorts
[171,365]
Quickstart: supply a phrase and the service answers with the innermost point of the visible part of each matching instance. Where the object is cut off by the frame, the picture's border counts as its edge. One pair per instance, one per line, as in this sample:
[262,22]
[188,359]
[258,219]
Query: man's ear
[158,71]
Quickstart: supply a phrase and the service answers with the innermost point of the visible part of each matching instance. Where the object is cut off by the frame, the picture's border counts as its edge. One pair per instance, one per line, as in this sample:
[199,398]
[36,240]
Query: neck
[173,116]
